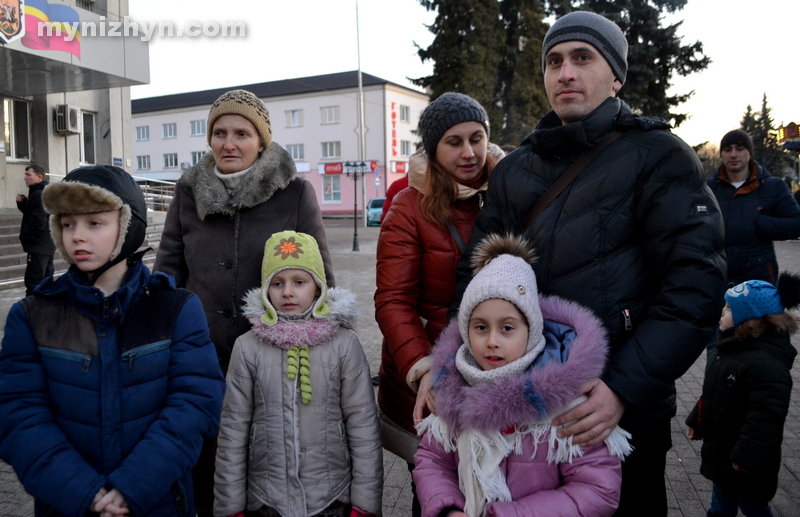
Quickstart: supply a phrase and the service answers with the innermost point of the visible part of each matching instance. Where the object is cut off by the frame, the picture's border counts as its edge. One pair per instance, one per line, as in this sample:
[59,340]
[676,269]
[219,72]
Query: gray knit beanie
[600,32]
[445,112]
[737,137]
[503,271]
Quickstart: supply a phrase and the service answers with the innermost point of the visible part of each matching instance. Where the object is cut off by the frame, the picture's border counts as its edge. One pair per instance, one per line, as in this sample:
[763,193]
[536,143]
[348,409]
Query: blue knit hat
[752,300]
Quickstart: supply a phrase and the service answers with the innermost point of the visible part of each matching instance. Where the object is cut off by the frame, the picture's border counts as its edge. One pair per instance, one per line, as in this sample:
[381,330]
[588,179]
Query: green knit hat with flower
[292,250]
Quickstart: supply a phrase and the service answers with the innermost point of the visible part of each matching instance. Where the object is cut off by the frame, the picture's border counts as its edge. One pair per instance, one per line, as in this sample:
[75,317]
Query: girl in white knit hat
[511,362]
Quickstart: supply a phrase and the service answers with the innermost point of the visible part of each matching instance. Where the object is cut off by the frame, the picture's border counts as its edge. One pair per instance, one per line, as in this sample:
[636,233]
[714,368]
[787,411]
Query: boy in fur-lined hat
[746,393]
[299,433]
[512,362]
[108,378]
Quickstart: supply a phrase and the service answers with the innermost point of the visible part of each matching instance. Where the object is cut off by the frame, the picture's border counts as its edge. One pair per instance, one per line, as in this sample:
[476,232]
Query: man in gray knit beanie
[602,33]
[635,236]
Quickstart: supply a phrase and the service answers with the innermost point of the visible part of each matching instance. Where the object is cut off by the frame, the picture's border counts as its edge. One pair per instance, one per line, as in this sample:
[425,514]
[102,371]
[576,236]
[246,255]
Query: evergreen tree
[749,122]
[522,93]
[491,50]
[766,149]
[467,52]
[709,157]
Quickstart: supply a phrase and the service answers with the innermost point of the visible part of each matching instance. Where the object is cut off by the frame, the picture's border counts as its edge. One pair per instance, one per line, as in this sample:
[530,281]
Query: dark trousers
[644,490]
[203,478]
[39,268]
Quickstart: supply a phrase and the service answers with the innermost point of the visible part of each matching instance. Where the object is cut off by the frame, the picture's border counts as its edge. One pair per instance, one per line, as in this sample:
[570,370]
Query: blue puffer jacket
[758,212]
[108,392]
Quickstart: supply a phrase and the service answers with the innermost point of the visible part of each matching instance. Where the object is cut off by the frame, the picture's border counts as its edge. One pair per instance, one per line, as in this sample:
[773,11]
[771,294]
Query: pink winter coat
[589,485]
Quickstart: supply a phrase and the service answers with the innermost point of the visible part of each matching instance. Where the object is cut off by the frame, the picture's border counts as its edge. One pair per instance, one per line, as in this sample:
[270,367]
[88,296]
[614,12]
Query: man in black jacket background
[757,208]
[34,232]
[636,237]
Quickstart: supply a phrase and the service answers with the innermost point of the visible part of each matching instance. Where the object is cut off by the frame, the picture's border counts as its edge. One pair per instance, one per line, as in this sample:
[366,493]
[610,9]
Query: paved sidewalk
[689,492]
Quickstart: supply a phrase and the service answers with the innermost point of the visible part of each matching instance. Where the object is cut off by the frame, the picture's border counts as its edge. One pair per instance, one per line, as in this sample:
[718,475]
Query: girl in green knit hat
[299,433]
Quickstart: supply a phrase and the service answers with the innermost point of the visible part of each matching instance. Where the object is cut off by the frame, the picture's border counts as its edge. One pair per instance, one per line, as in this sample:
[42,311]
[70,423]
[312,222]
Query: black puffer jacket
[34,232]
[758,212]
[637,238]
[740,417]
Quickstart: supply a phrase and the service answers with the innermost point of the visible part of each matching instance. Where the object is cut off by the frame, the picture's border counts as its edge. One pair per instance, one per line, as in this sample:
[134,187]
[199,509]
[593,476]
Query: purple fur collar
[303,333]
[537,395]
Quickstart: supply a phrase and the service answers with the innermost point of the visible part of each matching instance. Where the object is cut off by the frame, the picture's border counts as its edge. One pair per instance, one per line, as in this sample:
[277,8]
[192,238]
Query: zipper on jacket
[141,351]
[626,313]
[68,355]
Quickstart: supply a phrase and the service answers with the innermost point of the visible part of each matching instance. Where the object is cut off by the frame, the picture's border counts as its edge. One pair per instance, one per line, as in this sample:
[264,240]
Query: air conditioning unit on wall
[184,166]
[65,120]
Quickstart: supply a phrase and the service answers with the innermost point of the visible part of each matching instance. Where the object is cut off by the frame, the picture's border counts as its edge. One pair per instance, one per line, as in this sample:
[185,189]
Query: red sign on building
[334,168]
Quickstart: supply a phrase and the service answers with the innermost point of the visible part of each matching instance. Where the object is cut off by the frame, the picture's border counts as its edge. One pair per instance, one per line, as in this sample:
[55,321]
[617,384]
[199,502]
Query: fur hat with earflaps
[101,188]
[292,250]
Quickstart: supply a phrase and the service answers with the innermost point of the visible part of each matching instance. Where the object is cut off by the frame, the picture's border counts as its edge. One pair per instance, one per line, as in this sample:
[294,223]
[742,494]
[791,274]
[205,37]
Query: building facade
[65,96]
[316,119]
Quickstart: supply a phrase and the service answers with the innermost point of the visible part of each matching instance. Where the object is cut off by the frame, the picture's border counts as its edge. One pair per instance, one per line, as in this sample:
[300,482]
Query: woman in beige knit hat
[224,210]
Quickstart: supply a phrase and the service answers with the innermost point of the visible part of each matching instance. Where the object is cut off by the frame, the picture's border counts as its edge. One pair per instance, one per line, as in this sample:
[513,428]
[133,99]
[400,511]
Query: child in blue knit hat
[746,396]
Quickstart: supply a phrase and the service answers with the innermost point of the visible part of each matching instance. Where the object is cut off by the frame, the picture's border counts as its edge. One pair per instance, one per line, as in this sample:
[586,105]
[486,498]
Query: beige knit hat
[246,104]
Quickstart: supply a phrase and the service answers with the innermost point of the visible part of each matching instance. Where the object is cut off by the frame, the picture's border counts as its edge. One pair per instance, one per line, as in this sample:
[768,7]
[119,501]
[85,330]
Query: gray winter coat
[213,240]
[299,458]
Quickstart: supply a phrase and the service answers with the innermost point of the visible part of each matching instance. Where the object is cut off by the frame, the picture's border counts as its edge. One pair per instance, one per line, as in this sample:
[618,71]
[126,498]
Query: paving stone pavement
[689,492]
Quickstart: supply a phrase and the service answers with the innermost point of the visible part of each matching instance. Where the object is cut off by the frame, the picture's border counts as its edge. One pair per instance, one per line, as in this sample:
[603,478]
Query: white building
[65,101]
[314,118]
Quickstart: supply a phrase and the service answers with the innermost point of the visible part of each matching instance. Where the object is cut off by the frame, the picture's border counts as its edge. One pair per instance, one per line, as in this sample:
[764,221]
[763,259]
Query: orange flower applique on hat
[288,248]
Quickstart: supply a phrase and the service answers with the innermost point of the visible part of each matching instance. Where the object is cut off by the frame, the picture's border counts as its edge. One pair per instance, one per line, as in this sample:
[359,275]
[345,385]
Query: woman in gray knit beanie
[420,244]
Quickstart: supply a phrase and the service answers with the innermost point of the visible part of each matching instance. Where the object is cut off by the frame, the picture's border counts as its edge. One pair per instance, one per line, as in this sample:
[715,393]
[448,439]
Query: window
[331,150]
[405,113]
[198,127]
[170,130]
[142,133]
[143,162]
[197,156]
[294,118]
[87,138]
[330,115]
[17,129]
[170,160]
[296,150]
[405,148]
[331,188]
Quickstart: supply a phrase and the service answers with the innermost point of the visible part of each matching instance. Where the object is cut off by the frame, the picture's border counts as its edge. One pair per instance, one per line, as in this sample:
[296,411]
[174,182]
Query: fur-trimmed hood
[304,333]
[271,172]
[767,333]
[540,394]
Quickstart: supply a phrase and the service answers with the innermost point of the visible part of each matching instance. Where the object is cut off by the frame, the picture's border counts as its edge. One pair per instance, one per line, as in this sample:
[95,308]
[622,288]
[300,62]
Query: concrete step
[11,229]
[9,239]
[13,260]
[10,249]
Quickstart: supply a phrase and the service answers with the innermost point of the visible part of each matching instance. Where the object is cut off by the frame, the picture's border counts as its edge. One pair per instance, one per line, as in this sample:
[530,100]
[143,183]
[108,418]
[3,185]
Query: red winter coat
[416,279]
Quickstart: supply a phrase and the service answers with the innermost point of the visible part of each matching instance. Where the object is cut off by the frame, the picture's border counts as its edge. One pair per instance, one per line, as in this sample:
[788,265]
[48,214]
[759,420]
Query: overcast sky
[752,46]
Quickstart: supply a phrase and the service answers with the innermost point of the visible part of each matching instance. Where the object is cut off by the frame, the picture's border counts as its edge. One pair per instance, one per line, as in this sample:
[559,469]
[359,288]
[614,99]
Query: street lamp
[354,168]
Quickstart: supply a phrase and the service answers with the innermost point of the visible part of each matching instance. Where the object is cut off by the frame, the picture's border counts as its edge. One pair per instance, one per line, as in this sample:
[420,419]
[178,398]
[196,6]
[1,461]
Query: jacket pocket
[251,454]
[141,351]
[179,498]
[85,360]
[345,448]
